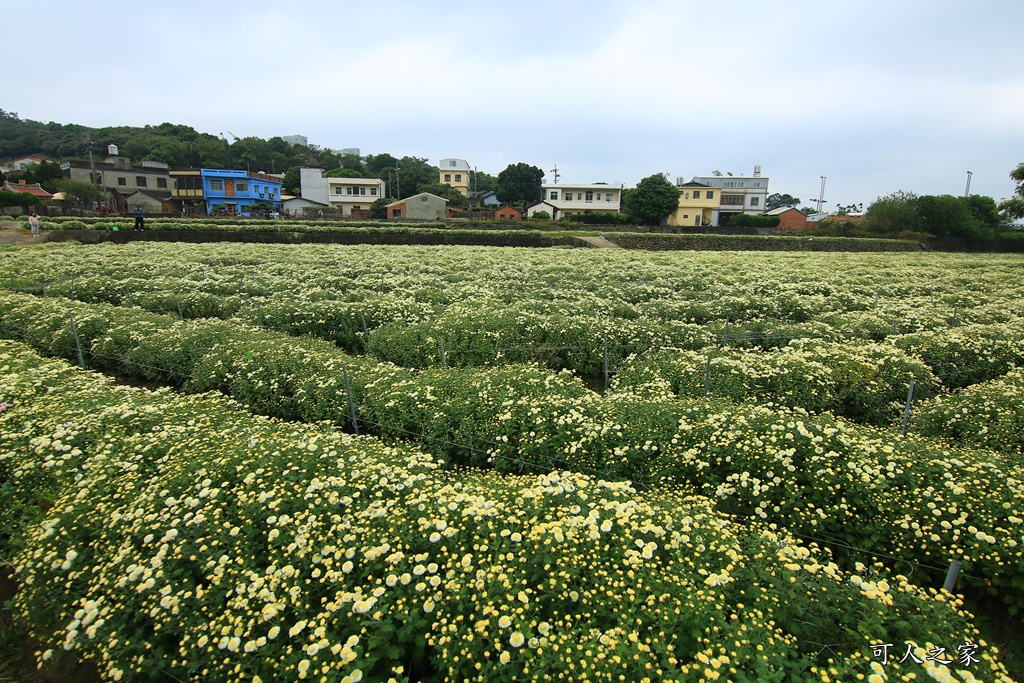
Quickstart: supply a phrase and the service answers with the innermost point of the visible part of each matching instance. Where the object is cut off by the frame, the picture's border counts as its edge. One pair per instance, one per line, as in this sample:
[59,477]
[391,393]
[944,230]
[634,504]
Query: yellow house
[697,205]
[455,172]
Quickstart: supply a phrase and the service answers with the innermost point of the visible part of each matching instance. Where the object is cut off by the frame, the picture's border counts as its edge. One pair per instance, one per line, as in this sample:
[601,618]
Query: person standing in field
[139,220]
[33,222]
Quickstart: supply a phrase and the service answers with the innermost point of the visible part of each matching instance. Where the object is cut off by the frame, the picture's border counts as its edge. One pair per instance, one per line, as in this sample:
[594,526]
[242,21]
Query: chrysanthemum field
[344,463]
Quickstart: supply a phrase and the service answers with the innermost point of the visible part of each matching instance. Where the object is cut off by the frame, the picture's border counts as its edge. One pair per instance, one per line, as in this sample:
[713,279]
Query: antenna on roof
[554,171]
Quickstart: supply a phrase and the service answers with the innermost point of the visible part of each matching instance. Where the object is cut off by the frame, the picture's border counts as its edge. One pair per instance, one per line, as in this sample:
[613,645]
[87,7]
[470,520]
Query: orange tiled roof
[33,189]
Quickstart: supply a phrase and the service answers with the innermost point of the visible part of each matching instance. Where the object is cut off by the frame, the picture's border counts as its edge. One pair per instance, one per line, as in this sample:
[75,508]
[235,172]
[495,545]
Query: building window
[140,181]
[362,191]
[554,194]
[216,186]
[121,180]
[757,184]
[732,200]
[373,191]
[348,190]
[711,195]
[120,162]
[590,196]
[424,198]
[754,201]
[696,194]
[241,186]
[452,163]
[99,178]
[608,197]
[396,213]
[447,177]
[161,183]
[458,177]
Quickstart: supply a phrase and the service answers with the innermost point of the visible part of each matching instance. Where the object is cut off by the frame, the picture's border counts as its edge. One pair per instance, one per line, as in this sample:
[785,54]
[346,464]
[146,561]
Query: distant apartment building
[346,194]
[739,194]
[566,200]
[234,191]
[455,172]
[296,140]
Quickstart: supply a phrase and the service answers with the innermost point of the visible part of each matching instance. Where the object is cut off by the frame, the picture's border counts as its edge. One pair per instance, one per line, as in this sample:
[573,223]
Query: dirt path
[16,233]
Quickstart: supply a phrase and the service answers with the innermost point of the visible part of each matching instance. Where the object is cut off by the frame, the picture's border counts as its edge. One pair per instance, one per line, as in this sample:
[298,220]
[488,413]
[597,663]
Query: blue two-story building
[233,192]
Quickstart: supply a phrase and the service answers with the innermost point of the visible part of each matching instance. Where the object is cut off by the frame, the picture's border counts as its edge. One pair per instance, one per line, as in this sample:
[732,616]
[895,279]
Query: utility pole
[821,196]
[967,192]
[398,184]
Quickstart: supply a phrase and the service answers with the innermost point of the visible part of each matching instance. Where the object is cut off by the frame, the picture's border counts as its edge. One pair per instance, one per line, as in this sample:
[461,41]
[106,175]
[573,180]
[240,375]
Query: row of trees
[901,212]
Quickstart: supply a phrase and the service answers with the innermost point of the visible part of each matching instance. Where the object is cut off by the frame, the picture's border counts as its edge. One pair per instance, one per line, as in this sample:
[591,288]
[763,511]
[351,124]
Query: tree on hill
[482,182]
[1013,208]
[343,173]
[519,183]
[413,174]
[290,182]
[777,201]
[652,200]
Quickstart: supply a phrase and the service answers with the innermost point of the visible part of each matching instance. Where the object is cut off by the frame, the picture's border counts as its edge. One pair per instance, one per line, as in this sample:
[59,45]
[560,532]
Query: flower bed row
[486,308]
[180,537]
[816,476]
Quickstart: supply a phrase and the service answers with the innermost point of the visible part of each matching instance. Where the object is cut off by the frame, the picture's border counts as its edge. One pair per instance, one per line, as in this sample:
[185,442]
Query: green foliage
[1013,208]
[290,182]
[602,218]
[414,174]
[652,200]
[519,183]
[905,213]
[541,216]
[79,192]
[379,208]
[776,201]
[482,182]
[343,173]
[745,220]
[894,213]
[949,216]
[17,199]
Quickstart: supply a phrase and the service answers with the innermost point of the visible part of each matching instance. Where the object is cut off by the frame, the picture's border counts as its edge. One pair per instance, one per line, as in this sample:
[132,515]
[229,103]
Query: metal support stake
[366,333]
[707,377]
[906,411]
[444,355]
[725,337]
[180,316]
[606,363]
[351,403]
[78,344]
[954,571]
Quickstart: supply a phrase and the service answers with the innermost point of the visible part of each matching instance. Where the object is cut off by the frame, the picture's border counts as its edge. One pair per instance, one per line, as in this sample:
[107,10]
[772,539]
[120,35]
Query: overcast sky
[875,95]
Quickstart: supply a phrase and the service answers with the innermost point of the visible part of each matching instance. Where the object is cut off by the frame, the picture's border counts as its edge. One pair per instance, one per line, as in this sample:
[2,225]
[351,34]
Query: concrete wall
[314,186]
